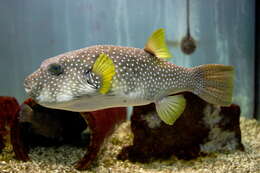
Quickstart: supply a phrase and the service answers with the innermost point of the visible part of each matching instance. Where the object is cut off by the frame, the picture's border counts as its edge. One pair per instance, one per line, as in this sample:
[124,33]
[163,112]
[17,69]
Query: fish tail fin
[214,83]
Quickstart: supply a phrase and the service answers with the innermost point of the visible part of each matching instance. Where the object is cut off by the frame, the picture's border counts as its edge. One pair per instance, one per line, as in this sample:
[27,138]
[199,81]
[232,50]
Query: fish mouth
[27,86]
[27,90]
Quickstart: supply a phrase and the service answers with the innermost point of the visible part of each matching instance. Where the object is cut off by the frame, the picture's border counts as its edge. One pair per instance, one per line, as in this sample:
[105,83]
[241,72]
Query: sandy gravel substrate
[61,159]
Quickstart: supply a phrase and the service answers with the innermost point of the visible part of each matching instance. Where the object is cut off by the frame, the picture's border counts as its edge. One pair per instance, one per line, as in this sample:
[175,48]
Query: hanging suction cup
[188,44]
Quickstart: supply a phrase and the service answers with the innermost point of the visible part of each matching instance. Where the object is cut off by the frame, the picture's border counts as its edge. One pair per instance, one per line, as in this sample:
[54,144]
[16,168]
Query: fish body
[105,76]
[140,78]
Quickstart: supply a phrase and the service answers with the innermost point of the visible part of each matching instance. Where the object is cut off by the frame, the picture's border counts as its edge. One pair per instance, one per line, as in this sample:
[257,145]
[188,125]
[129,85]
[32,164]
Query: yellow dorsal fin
[105,68]
[157,46]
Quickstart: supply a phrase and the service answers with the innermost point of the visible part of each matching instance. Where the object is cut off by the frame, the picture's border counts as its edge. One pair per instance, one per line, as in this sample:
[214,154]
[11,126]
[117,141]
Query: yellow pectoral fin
[170,108]
[157,46]
[105,68]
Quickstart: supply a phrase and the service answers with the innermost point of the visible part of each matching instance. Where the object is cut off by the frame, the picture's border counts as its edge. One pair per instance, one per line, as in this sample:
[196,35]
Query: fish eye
[92,79]
[55,69]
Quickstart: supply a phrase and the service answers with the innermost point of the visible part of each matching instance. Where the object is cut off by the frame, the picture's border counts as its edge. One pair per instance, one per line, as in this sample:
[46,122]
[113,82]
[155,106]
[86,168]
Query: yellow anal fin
[157,46]
[105,68]
[170,108]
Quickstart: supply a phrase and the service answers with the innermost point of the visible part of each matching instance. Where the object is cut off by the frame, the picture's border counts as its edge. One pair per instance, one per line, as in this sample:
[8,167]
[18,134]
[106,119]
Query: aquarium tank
[33,30]
[137,131]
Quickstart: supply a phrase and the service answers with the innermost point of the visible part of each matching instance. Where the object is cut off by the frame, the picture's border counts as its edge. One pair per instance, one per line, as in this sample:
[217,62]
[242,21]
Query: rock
[202,128]
[10,138]
[28,125]
[47,127]
[102,124]
[67,127]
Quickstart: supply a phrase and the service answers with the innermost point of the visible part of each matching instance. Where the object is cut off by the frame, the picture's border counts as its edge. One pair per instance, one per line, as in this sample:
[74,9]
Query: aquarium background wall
[33,30]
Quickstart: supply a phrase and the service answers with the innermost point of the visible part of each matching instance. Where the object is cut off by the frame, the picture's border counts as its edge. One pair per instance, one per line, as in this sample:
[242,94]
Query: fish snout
[27,85]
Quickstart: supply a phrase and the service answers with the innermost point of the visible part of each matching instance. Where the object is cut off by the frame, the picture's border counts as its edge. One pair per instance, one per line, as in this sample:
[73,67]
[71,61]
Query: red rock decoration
[51,125]
[102,123]
[202,128]
[10,139]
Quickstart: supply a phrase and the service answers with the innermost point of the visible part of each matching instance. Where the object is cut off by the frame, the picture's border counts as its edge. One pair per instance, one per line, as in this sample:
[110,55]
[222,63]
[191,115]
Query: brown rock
[201,129]
[45,127]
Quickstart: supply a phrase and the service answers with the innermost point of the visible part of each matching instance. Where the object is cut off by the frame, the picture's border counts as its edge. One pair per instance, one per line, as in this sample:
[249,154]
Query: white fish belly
[86,104]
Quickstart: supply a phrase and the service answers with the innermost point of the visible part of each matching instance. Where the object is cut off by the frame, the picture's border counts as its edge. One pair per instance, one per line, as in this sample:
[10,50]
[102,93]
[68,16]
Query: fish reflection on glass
[105,76]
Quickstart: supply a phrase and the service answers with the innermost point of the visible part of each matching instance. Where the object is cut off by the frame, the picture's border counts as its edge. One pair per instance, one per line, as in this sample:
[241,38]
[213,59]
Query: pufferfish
[106,76]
